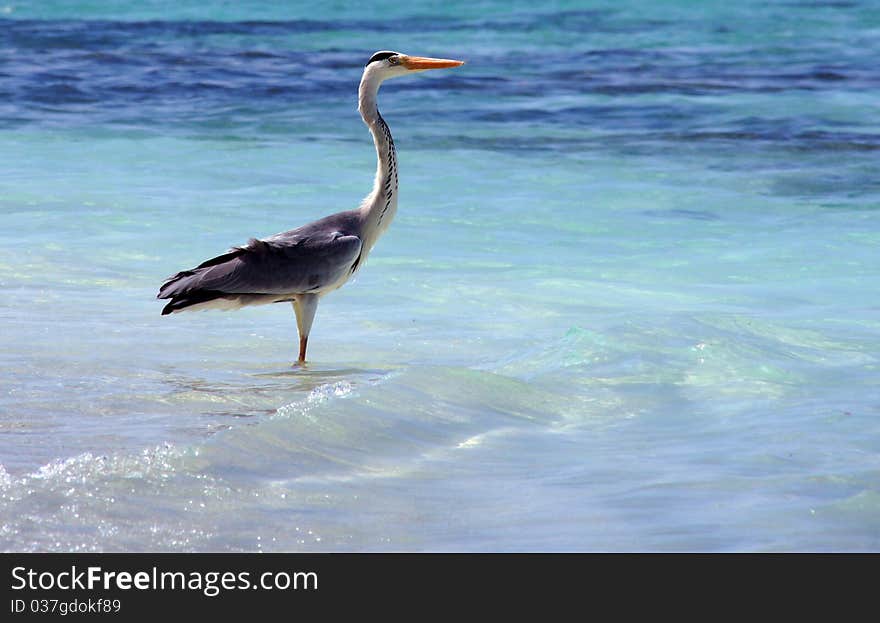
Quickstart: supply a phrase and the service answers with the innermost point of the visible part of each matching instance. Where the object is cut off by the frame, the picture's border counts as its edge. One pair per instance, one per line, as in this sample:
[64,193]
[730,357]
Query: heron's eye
[394,60]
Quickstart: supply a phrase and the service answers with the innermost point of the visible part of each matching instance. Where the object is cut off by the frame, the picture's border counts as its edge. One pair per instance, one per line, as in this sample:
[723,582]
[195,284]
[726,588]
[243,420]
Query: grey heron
[302,265]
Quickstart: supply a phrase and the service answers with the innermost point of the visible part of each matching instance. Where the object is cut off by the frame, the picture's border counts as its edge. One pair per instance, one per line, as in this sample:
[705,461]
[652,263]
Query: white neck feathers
[380,206]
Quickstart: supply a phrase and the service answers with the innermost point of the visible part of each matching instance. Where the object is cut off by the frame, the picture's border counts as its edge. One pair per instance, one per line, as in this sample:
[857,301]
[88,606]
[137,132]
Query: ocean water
[631,299]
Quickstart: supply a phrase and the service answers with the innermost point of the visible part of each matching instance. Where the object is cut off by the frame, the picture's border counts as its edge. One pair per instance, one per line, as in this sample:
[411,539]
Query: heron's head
[387,64]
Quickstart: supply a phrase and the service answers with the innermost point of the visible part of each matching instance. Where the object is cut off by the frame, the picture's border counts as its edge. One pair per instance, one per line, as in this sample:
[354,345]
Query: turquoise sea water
[630,300]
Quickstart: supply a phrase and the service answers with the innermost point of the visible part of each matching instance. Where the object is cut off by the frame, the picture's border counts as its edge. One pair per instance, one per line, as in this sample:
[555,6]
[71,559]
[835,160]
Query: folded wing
[295,262]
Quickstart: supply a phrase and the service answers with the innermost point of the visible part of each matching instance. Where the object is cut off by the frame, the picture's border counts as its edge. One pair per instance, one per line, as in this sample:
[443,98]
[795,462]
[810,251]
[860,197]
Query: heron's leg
[305,306]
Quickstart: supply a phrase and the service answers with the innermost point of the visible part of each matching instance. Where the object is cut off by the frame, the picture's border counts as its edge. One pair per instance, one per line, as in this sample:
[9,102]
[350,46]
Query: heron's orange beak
[421,63]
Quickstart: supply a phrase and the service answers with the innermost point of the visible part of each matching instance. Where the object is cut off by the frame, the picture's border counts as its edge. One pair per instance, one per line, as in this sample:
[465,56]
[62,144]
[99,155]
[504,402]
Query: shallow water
[630,300]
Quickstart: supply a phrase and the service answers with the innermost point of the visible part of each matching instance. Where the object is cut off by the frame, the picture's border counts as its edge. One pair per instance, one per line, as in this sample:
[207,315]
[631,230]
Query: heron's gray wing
[294,262]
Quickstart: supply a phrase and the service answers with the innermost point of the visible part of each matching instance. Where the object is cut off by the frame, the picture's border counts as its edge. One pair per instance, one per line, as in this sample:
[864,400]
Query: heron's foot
[300,363]
[303,344]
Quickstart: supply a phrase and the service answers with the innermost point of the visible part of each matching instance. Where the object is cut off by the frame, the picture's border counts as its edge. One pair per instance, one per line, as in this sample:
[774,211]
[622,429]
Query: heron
[302,265]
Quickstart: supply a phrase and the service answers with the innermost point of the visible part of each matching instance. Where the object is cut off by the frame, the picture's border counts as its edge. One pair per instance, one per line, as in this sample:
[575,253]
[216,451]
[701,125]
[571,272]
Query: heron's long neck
[380,206]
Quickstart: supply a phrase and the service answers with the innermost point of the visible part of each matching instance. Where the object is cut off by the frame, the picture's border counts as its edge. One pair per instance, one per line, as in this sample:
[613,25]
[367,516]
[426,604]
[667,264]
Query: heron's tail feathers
[174,286]
[188,282]
[225,282]
[191,299]
[184,291]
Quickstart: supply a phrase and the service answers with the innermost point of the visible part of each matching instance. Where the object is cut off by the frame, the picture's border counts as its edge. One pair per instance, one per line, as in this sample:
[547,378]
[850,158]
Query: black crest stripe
[378,56]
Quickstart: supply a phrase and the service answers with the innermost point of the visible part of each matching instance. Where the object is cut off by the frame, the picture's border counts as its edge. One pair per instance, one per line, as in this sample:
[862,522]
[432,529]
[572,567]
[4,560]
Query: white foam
[319,395]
